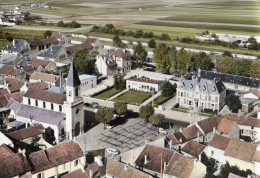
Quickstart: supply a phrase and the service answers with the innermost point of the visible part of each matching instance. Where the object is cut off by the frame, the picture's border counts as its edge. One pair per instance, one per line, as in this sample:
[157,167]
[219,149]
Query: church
[60,114]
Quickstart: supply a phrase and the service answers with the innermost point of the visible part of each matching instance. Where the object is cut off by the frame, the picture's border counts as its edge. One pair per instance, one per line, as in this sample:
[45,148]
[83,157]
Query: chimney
[199,157]
[164,166]
[126,167]
[90,173]
[214,130]
[145,159]
[198,136]
[170,144]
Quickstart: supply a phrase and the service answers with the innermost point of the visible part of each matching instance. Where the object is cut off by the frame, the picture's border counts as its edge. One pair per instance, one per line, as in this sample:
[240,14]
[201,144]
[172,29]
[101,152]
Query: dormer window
[214,89]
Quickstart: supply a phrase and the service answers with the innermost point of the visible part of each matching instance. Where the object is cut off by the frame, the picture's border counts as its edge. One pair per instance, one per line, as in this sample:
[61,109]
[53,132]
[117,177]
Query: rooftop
[219,142]
[26,132]
[52,52]
[193,148]
[85,76]
[44,77]
[73,77]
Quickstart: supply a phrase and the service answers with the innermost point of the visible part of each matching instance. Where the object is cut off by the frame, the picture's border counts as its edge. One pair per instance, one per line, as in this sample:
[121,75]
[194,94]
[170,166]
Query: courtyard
[133,97]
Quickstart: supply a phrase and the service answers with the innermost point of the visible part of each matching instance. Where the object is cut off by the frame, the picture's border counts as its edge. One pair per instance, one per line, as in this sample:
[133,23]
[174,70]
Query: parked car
[112,151]
[161,130]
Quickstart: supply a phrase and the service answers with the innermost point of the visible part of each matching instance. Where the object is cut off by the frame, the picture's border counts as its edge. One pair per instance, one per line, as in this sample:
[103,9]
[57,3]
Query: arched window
[60,108]
[36,102]
[51,106]
[29,101]
[44,105]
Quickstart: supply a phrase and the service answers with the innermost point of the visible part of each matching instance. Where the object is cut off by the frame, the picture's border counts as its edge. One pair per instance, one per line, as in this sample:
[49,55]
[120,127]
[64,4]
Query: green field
[133,97]
[107,94]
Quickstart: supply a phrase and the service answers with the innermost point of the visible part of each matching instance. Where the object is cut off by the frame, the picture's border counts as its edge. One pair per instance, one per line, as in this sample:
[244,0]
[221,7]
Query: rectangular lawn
[107,94]
[133,97]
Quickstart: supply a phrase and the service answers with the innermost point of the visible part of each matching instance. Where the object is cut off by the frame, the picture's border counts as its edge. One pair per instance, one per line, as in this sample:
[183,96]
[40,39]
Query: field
[178,18]
[133,97]
[107,94]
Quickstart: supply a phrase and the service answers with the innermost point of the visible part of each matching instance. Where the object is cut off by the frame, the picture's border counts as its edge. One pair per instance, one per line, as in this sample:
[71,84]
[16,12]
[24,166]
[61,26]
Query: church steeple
[73,77]
[73,84]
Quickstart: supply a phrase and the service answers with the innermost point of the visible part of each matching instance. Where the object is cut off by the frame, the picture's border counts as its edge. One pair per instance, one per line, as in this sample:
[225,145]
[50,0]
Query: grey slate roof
[203,86]
[240,80]
[73,77]
[41,115]
[52,52]
[10,59]
[19,43]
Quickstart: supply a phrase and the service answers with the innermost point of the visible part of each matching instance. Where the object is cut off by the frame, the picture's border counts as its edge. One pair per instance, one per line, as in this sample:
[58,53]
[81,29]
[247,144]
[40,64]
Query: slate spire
[73,77]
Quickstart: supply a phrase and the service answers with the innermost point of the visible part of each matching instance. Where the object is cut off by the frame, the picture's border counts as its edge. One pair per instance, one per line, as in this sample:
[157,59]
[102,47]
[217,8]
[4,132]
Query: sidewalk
[118,94]
[151,98]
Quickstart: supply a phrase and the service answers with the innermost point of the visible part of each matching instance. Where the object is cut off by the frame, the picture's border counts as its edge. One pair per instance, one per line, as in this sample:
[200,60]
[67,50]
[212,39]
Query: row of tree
[169,60]
[110,29]
[72,24]
[241,67]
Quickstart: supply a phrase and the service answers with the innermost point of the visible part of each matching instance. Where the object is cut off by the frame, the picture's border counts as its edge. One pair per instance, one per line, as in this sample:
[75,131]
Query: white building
[115,62]
[87,82]
[144,84]
[52,80]
[200,93]
[62,113]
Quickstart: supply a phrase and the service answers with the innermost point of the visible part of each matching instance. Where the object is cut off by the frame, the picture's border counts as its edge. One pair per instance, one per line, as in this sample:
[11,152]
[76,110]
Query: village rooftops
[191,132]
[16,46]
[245,81]
[13,165]
[40,115]
[76,174]
[5,151]
[45,95]
[26,133]
[55,156]
[41,42]
[121,170]
[38,62]
[38,85]
[226,126]
[52,52]
[44,77]
[14,84]
[146,80]
[193,148]
[9,70]
[79,47]
[219,142]
[122,53]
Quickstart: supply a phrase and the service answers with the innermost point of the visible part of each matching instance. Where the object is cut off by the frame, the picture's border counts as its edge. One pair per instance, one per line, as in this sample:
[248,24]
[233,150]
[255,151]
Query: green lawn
[133,97]
[160,100]
[107,94]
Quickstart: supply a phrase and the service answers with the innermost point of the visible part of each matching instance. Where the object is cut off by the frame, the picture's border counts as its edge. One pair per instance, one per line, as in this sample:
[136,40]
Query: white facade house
[113,63]
[200,93]
[144,84]
[87,82]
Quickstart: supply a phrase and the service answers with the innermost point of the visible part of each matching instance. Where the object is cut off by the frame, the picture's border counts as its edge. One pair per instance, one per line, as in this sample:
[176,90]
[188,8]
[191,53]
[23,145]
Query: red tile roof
[39,85]
[5,151]
[18,96]
[14,84]
[39,62]
[76,174]
[226,126]
[120,170]
[219,142]
[79,47]
[44,77]
[9,70]
[193,148]
[26,133]
[47,41]
[154,157]
[191,132]
[98,171]
[45,96]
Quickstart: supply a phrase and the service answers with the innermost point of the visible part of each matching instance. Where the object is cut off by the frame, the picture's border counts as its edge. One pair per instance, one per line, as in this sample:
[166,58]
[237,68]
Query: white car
[112,151]
[161,130]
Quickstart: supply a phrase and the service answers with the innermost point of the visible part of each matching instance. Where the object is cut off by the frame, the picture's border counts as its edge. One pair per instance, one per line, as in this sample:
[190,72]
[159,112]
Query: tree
[84,64]
[242,67]
[161,57]
[168,89]
[226,65]
[60,24]
[118,42]
[183,60]
[255,69]
[104,115]
[139,52]
[138,34]
[165,37]
[156,119]
[202,61]
[119,82]
[152,43]
[146,111]
[233,102]
[120,108]
[172,54]
[47,34]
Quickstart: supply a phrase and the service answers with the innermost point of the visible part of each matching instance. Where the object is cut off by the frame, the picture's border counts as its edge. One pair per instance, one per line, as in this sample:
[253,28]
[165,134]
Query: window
[76,92]
[36,102]
[44,105]
[69,93]
[51,106]
[39,175]
[29,101]
[212,152]
[216,99]
[77,111]
[181,94]
[60,108]
[76,162]
[209,98]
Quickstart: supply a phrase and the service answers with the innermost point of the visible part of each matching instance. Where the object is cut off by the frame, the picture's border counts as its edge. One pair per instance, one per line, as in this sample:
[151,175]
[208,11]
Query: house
[41,65]
[193,149]
[121,170]
[232,82]
[57,160]
[62,114]
[117,62]
[27,135]
[11,84]
[55,53]
[252,94]
[201,94]
[12,71]
[18,46]
[229,128]
[216,148]
[52,80]
[160,161]
[87,82]
[250,100]
[10,59]
[43,44]
[13,164]
[144,84]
